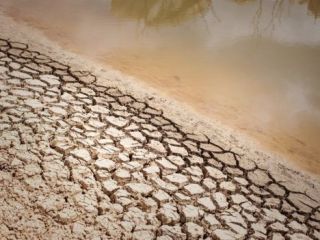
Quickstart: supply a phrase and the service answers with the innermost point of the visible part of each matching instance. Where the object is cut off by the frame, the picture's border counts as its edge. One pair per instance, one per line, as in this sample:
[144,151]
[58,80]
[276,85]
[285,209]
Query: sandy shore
[87,153]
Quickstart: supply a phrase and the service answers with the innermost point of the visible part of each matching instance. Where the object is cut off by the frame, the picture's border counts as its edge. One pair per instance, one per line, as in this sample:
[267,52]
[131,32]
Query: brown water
[252,64]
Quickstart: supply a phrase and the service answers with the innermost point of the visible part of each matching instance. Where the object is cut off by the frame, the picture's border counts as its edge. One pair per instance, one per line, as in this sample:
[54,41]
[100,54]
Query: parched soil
[83,161]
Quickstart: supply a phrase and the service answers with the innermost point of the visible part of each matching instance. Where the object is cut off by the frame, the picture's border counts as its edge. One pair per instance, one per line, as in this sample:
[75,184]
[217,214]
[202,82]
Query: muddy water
[252,64]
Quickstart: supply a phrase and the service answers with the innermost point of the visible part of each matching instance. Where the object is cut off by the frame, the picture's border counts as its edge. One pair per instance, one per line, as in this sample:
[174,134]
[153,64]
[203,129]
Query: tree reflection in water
[173,12]
[313,7]
[160,12]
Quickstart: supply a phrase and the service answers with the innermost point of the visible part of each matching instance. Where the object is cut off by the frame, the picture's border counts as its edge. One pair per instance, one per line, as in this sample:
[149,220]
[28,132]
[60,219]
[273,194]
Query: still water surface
[252,64]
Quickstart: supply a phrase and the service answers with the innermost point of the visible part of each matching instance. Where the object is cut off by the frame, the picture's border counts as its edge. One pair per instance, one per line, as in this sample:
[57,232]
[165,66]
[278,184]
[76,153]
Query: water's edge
[182,114]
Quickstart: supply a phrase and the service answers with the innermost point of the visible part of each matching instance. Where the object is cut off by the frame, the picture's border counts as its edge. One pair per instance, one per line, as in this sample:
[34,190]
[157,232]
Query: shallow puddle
[252,64]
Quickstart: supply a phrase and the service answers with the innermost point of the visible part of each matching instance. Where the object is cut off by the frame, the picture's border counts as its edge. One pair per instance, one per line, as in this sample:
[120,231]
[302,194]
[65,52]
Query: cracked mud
[83,161]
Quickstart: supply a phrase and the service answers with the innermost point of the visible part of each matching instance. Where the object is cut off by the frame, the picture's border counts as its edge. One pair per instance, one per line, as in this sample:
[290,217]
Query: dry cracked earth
[83,161]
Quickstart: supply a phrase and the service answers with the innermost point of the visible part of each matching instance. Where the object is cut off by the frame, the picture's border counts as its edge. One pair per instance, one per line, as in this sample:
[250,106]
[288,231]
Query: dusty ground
[82,159]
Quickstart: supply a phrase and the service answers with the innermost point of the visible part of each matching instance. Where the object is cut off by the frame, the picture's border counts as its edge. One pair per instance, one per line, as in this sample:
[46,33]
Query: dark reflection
[313,7]
[160,12]
[243,1]
[165,12]
[279,7]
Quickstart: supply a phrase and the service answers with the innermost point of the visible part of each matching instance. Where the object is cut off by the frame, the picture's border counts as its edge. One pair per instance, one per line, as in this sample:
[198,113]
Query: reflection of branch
[281,10]
[214,14]
[277,10]
[256,20]
[203,18]
[313,7]
[159,12]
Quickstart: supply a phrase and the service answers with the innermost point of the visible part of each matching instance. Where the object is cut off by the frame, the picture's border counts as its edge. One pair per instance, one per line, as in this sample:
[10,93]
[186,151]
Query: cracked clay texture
[83,161]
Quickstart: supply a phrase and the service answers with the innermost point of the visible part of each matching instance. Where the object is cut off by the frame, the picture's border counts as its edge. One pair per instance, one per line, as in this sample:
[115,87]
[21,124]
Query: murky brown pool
[252,64]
